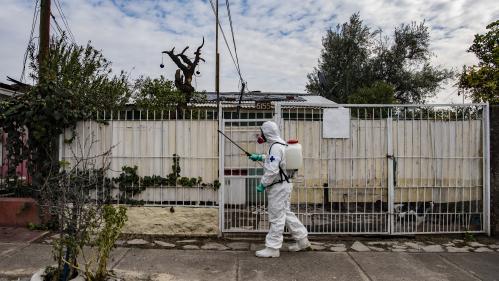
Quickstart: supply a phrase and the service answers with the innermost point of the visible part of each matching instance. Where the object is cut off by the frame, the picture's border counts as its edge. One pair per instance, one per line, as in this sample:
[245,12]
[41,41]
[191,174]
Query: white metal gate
[243,209]
[402,169]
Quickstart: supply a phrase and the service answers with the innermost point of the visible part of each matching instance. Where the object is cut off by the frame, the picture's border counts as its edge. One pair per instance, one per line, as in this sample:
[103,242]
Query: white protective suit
[278,193]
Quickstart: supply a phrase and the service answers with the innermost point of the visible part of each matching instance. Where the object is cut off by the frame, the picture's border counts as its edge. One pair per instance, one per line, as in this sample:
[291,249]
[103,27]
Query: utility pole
[44,36]
[219,113]
[217,60]
[43,56]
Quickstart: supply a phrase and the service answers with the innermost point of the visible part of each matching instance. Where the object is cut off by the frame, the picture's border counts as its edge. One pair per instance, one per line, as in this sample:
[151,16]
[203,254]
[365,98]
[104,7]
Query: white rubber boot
[300,245]
[267,253]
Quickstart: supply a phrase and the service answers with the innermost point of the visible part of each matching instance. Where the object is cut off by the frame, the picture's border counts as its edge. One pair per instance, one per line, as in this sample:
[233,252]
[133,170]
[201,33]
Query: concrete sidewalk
[21,260]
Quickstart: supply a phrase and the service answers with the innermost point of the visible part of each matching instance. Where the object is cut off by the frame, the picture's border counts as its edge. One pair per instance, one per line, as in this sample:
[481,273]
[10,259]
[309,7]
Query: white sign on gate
[336,123]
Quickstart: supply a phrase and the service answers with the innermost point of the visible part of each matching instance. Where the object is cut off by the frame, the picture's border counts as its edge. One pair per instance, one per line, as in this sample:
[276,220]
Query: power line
[244,84]
[54,30]
[233,38]
[57,25]
[64,20]
[226,43]
[33,24]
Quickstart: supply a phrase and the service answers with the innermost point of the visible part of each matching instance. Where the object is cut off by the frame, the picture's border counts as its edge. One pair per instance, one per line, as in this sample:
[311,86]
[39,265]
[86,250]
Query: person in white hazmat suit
[275,180]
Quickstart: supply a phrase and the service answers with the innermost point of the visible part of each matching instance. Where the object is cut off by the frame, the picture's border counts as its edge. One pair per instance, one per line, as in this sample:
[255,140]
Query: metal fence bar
[486,169]
[463,183]
[391,184]
[322,105]
[221,176]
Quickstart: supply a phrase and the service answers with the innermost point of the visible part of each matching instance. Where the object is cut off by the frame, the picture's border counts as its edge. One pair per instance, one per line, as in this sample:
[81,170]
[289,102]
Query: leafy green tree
[84,74]
[481,82]
[379,92]
[344,59]
[78,83]
[161,93]
[355,57]
[157,94]
[405,64]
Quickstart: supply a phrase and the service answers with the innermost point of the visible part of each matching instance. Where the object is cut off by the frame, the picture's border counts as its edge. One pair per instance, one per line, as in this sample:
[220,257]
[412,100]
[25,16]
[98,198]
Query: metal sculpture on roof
[186,69]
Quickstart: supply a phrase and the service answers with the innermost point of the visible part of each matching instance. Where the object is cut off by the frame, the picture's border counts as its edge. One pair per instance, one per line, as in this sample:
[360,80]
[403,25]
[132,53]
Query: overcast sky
[278,42]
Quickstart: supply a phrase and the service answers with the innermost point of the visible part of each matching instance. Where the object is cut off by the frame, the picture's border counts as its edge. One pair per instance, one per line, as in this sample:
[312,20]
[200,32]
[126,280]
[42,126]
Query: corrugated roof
[225,104]
[231,99]
[255,96]
[317,99]
[7,92]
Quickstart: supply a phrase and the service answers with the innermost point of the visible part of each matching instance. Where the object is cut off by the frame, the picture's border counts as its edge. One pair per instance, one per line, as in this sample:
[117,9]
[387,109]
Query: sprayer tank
[294,156]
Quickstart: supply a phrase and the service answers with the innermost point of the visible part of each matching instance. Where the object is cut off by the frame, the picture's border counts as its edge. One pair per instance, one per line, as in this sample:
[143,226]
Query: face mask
[261,138]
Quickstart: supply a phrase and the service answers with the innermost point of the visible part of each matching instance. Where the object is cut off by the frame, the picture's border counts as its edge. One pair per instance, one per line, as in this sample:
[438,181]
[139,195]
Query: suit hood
[271,132]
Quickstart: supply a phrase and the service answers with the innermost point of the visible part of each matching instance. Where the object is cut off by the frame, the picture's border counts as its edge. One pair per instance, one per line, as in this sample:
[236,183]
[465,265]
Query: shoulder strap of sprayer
[283,175]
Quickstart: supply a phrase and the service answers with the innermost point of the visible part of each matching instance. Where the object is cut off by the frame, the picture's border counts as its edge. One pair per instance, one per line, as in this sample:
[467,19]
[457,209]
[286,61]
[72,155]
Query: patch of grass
[34,226]
[469,237]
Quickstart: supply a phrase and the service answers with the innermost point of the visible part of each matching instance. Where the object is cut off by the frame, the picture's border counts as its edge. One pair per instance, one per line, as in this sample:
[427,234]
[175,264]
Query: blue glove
[260,187]
[256,157]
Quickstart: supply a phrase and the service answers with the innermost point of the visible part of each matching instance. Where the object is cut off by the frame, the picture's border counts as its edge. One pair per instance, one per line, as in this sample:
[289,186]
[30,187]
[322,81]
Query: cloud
[279,42]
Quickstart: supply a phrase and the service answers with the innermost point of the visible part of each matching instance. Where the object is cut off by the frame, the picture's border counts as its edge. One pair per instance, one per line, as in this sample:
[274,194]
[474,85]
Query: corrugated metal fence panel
[437,154]
[355,162]
[150,145]
[197,146]
[431,153]
[438,173]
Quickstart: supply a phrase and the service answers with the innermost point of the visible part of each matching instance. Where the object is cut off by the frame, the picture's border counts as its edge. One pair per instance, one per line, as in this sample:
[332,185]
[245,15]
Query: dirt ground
[182,221]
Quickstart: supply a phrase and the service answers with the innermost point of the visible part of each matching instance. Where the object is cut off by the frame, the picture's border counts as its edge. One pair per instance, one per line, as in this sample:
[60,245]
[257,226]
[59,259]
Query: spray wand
[246,152]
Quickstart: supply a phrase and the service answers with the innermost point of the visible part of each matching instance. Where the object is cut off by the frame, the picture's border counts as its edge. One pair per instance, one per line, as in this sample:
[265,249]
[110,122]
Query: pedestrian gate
[368,169]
